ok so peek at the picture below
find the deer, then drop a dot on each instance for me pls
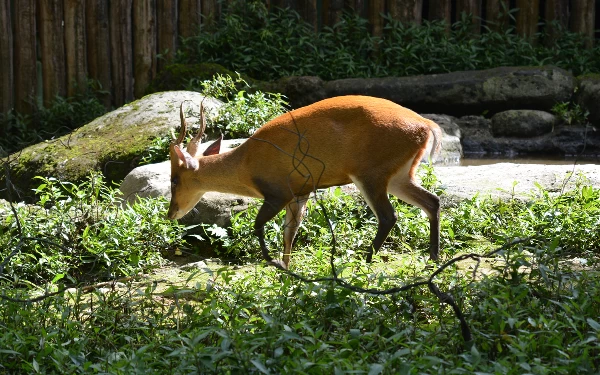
(371, 142)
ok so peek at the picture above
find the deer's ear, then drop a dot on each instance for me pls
(186, 158)
(214, 148)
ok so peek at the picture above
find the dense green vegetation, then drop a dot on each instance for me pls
(90, 285)
(59, 118)
(269, 45)
(532, 307)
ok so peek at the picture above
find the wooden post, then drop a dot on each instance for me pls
(332, 12)
(406, 11)
(376, 9)
(210, 13)
(472, 7)
(441, 10)
(557, 18)
(497, 14)
(189, 17)
(308, 11)
(167, 31)
(583, 13)
(528, 18)
(98, 45)
(6, 59)
(121, 51)
(75, 46)
(144, 44)
(52, 47)
(357, 6)
(25, 59)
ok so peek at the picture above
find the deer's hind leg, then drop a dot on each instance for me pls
(375, 193)
(294, 212)
(404, 187)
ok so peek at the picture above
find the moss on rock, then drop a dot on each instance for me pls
(112, 144)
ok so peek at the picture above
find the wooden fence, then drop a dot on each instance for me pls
(50, 47)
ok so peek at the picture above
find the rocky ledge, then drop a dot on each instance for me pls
(503, 181)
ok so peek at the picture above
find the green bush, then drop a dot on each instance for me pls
(81, 232)
(269, 45)
(532, 307)
(59, 118)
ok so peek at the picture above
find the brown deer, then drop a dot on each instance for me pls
(371, 142)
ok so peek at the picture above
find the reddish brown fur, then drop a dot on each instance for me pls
(333, 142)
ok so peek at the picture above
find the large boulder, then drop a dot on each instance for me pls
(588, 96)
(497, 180)
(467, 93)
(522, 123)
(479, 139)
(451, 151)
(113, 143)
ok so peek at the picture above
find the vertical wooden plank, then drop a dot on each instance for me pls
(583, 14)
(441, 10)
(357, 6)
(406, 11)
(376, 9)
(52, 48)
(472, 7)
(166, 11)
(528, 18)
(556, 18)
(189, 17)
(25, 79)
(332, 12)
(497, 14)
(210, 12)
(75, 46)
(121, 51)
(6, 59)
(144, 44)
(308, 11)
(98, 45)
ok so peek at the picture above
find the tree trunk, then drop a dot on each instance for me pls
(557, 19)
(332, 12)
(52, 47)
(497, 14)
(528, 18)
(167, 31)
(357, 6)
(406, 11)
(440, 10)
(121, 49)
(75, 46)
(210, 13)
(98, 46)
(144, 44)
(25, 56)
(376, 9)
(189, 17)
(308, 11)
(6, 60)
(470, 7)
(583, 13)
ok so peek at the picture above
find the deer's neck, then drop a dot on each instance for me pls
(224, 173)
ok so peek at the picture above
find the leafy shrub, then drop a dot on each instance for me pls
(242, 113)
(62, 116)
(81, 232)
(269, 45)
(532, 307)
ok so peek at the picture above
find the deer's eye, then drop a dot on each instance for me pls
(174, 181)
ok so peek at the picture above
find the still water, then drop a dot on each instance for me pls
(524, 160)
